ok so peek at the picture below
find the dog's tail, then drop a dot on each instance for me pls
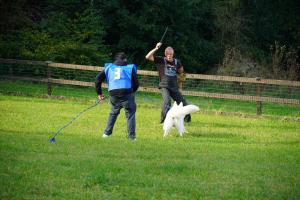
(185, 110)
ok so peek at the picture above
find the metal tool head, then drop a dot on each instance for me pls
(52, 140)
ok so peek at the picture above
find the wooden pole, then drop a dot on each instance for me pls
(258, 93)
(49, 84)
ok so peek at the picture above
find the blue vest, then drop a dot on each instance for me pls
(118, 77)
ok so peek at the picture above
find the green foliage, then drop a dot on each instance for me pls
(272, 20)
(90, 31)
(74, 36)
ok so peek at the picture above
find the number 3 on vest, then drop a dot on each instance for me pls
(117, 73)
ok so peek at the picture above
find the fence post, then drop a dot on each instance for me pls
(49, 77)
(11, 72)
(258, 93)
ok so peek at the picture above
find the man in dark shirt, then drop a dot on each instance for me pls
(122, 83)
(168, 67)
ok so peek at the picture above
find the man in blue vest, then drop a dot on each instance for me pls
(168, 67)
(122, 81)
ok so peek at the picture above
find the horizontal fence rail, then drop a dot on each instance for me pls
(212, 86)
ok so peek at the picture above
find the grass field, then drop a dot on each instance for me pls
(222, 157)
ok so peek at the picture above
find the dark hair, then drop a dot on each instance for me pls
(120, 56)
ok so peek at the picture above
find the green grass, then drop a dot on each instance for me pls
(222, 157)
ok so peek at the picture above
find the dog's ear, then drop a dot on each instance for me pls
(181, 104)
(175, 104)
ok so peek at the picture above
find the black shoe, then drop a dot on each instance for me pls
(131, 137)
(188, 118)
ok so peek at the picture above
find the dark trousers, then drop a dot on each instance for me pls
(117, 103)
(176, 95)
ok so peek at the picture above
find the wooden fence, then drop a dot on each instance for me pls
(257, 81)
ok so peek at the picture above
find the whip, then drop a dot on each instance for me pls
(53, 139)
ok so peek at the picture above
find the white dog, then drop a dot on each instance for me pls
(175, 117)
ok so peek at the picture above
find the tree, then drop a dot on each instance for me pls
(70, 31)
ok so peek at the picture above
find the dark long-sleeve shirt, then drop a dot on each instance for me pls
(118, 92)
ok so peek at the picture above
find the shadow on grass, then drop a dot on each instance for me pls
(201, 137)
(223, 137)
(245, 126)
(217, 135)
(28, 135)
(224, 125)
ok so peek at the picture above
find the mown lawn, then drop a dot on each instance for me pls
(221, 157)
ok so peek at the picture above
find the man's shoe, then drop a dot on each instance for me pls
(131, 138)
(188, 118)
(105, 136)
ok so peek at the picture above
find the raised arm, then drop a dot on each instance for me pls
(150, 56)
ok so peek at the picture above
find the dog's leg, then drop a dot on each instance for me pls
(182, 126)
(166, 133)
(168, 124)
(178, 121)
